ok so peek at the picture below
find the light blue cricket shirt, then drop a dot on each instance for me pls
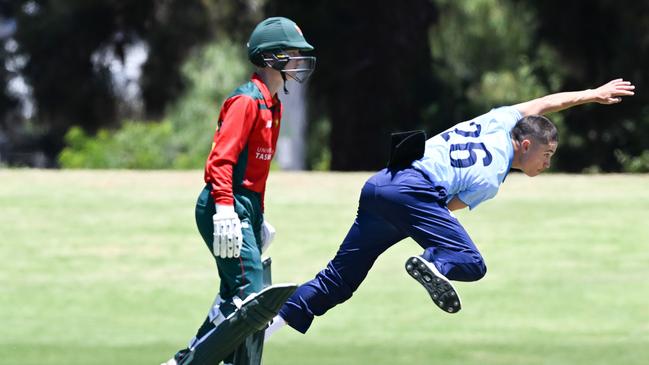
(471, 159)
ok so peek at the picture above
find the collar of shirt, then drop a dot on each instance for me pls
(268, 99)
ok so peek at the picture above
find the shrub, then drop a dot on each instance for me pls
(182, 140)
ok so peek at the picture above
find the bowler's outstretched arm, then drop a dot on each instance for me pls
(609, 93)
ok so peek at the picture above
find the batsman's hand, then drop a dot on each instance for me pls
(227, 232)
(267, 235)
(613, 91)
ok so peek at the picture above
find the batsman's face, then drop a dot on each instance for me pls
(299, 68)
(293, 63)
(536, 157)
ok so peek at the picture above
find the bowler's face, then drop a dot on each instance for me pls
(537, 157)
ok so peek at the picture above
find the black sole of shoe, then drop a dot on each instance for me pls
(439, 288)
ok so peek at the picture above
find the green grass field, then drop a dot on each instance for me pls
(107, 268)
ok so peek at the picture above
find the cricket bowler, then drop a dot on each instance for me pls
(427, 179)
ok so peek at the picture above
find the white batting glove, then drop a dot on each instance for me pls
(227, 232)
(267, 235)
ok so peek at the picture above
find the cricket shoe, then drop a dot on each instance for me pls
(437, 285)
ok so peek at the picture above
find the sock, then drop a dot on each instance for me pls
(277, 323)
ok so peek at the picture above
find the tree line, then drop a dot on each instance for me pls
(382, 67)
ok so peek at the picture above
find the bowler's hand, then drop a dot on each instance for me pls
(267, 235)
(227, 232)
(612, 92)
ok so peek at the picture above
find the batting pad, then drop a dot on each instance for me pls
(255, 313)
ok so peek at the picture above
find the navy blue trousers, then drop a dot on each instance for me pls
(394, 204)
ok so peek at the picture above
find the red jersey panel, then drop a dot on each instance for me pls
(244, 142)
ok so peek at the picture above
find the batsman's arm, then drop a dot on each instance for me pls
(609, 93)
(237, 120)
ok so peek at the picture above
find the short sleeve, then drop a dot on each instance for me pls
(507, 116)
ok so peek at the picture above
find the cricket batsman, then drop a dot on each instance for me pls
(230, 208)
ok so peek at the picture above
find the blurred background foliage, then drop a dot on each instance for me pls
(138, 84)
(183, 138)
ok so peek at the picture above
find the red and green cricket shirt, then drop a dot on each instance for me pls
(244, 142)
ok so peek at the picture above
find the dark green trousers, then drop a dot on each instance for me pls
(239, 276)
(243, 275)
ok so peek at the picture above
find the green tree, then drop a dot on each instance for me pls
(183, 138)
(60, 41)
(212, 74)
(599, 40)
(485, 54)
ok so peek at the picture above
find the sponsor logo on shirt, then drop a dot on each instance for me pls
(264, 153)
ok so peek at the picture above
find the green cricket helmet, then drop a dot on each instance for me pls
(269, 43)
